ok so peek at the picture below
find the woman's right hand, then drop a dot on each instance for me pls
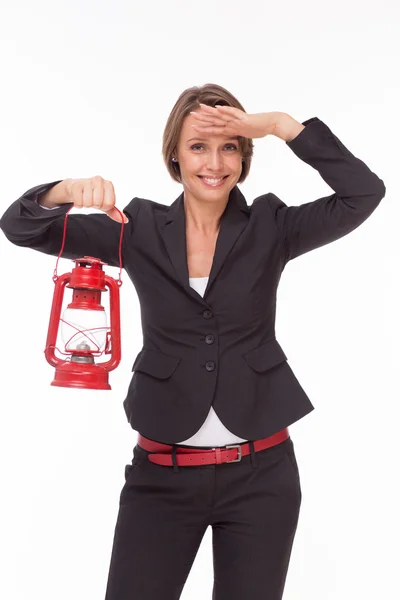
(94, 192)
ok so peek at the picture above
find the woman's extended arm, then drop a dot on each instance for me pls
(26, 223)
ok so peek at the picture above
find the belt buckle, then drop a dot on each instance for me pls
(239, 458)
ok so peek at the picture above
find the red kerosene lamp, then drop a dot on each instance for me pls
(84, 329)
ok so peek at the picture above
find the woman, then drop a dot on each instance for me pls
(212, 394)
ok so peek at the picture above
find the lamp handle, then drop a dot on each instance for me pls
(119, 281)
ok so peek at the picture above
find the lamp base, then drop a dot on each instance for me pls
(80, 375)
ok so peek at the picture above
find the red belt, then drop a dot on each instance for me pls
(188, 457)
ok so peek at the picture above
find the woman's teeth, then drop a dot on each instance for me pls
(212, 182)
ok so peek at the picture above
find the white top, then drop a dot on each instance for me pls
(213, 432)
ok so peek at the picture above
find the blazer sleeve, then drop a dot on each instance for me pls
(26, 223)
(358, 191)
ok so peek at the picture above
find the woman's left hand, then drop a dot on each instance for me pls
(227, 120)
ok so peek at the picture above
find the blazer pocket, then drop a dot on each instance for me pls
(266, 356)
(155, 363)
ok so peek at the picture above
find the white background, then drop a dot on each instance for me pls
(86, 90)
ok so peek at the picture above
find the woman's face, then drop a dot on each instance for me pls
(204, 155)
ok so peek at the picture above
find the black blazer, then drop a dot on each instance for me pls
(219, 349)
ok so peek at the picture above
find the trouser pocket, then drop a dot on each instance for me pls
(292, 458)
(138, 456)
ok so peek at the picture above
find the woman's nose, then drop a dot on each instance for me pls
(215, 160)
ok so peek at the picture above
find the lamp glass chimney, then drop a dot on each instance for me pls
(92, 324)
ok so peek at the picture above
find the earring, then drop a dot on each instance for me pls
(174, 159)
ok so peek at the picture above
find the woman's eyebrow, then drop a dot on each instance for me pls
(204, 140)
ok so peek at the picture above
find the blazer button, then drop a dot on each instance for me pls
(210, 365)
(209, 339)
(207, 314)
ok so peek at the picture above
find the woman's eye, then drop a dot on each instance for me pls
(195, 146)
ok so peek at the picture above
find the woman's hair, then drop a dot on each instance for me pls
(210, 94)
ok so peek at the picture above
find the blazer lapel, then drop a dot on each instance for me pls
(233, 221)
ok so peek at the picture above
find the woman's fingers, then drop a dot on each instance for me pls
(115, 216)
(88, 193)
(76, 192)
(202, 118)
(95, 192)
(109, 196)
(98, 195)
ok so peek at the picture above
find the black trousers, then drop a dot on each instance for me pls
(252, 506)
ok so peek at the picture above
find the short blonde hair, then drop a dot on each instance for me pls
(210, 94)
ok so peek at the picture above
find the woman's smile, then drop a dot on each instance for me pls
(213, 182)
